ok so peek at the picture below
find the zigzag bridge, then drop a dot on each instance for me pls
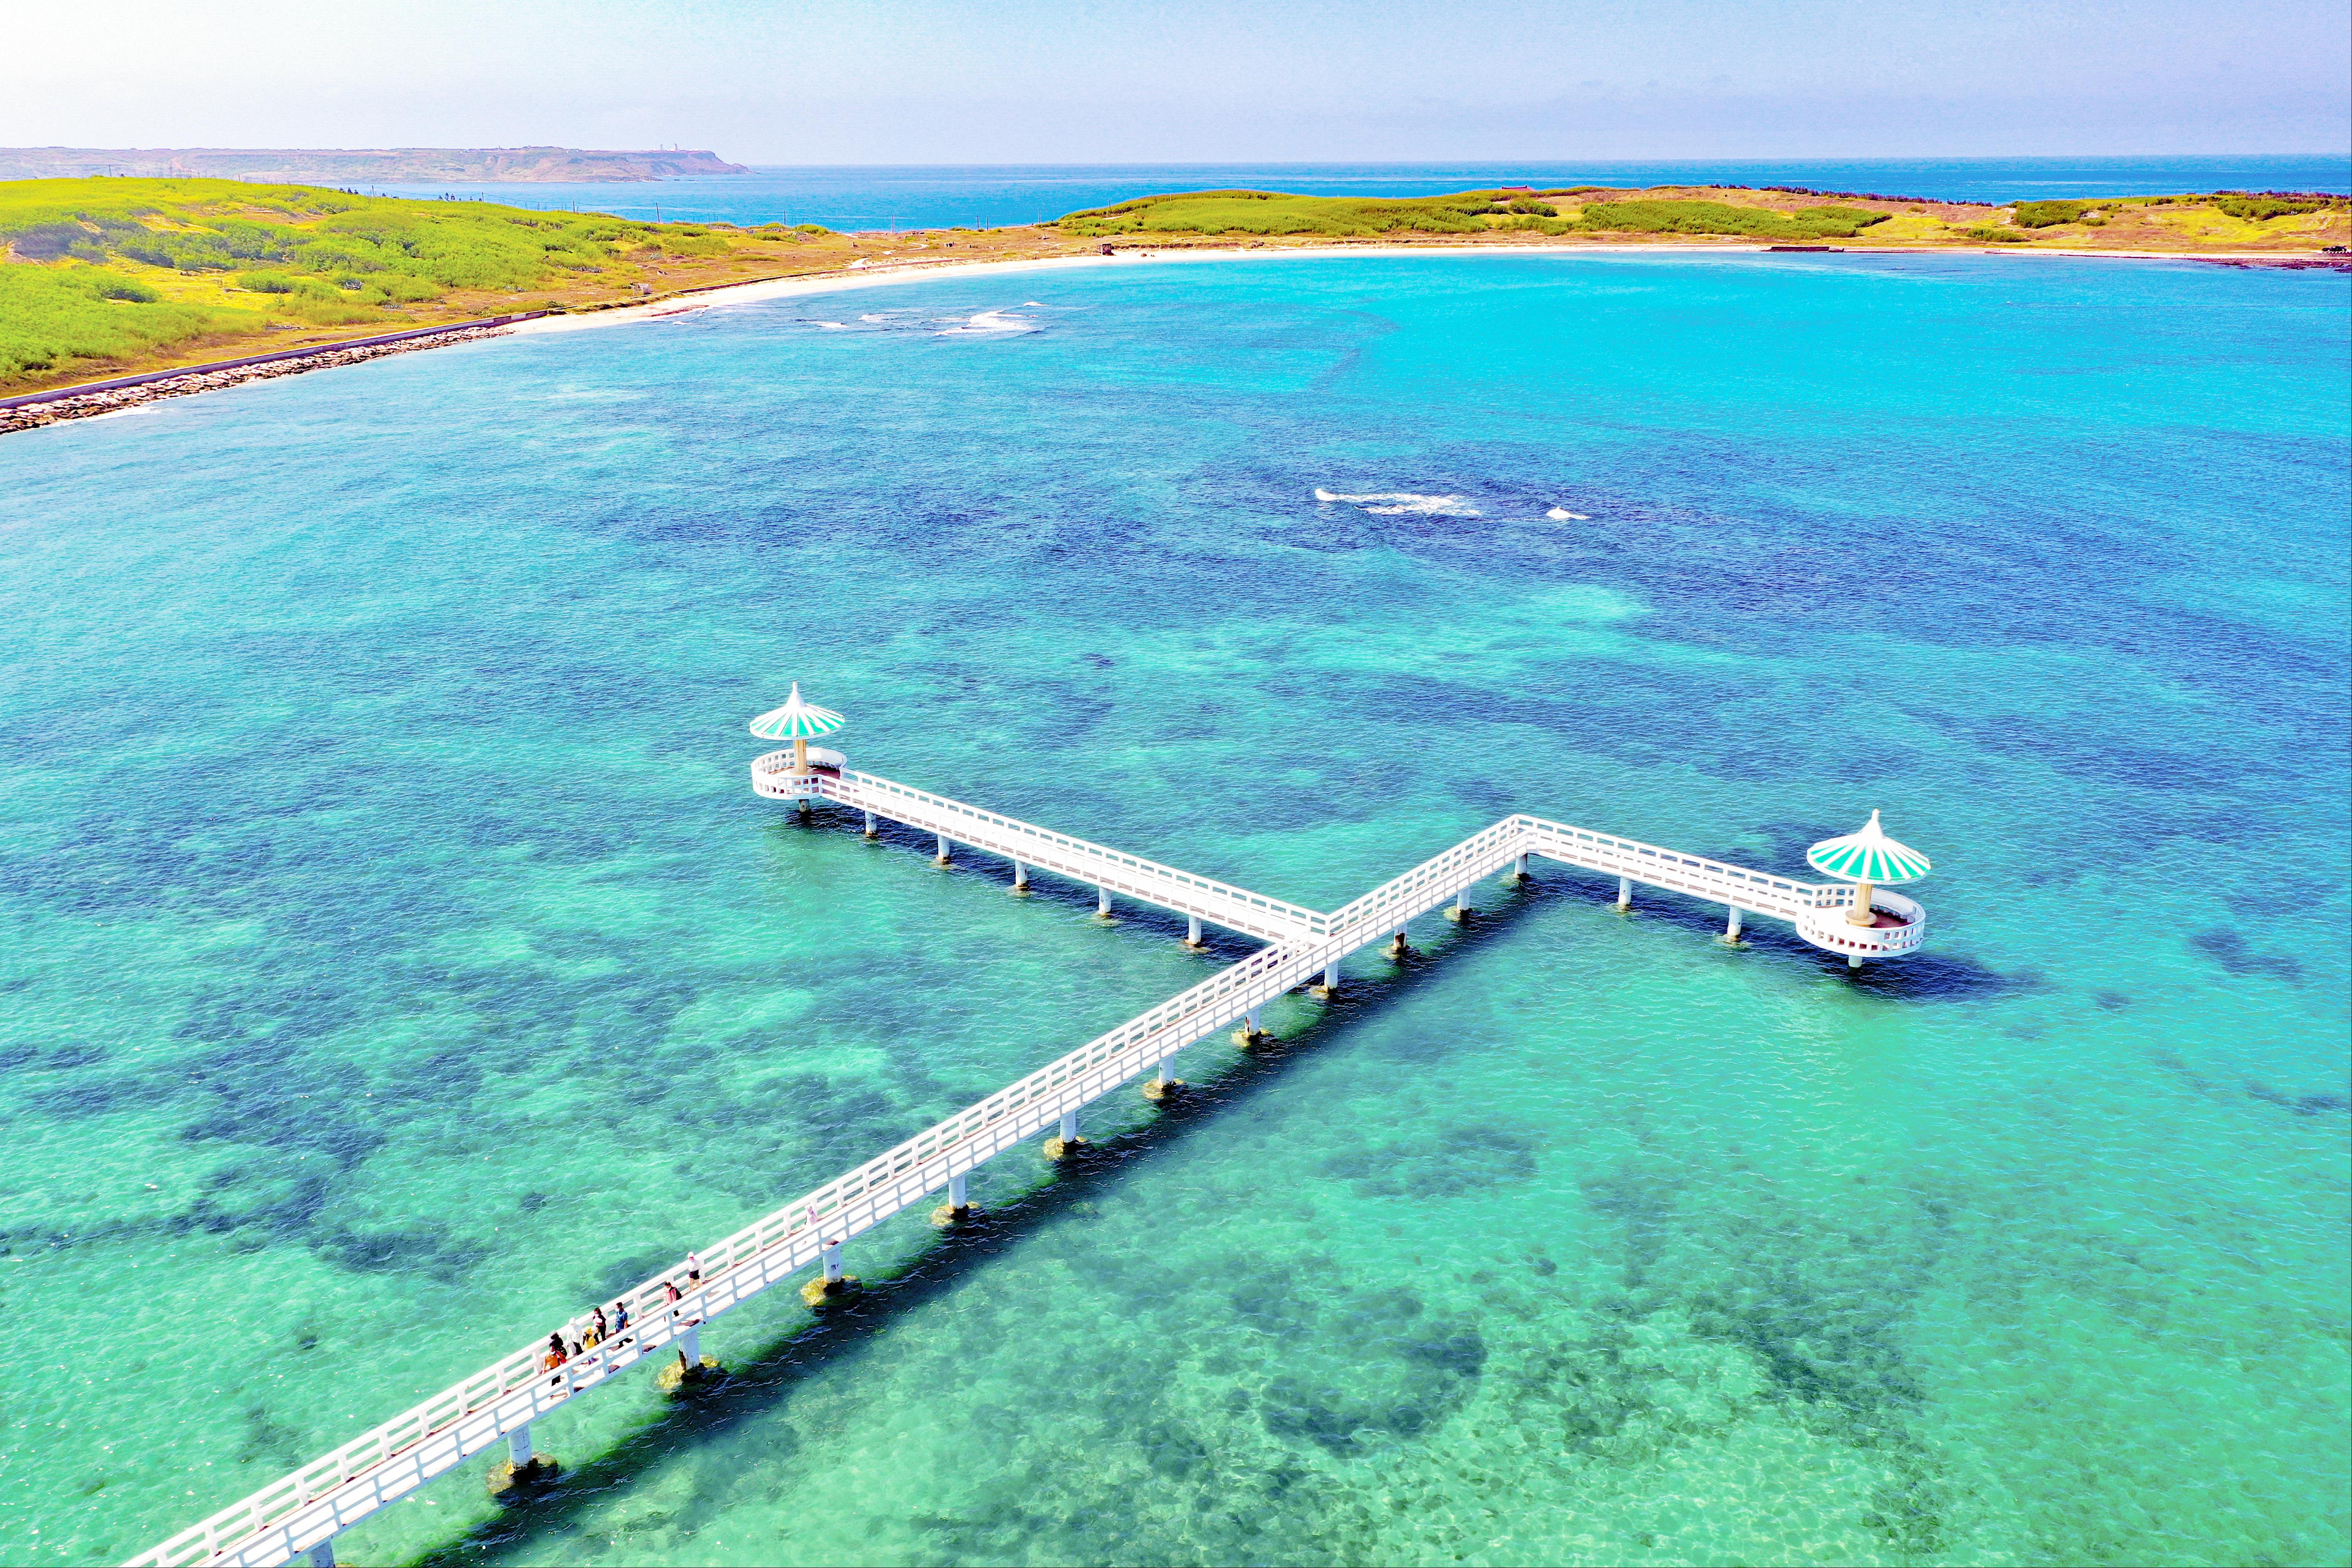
(301, 1514)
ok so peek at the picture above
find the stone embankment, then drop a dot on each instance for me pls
(129, 392)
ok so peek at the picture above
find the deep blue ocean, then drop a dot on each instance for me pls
(991, 195)
(394, 958)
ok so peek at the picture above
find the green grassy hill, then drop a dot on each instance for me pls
(105, 272)
(2184, 223)
(1585, 210)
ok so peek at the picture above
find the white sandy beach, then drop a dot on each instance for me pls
(904, 272)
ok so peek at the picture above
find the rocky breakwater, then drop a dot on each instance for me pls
(110, 396)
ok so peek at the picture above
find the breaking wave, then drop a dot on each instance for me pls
(1561, 514)
(1399, 503)
(989, 323)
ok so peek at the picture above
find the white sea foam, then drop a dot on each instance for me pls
(989, 323)
(1398, 503)
(835, 326)
(1561, 514)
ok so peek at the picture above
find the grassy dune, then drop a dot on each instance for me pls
(1467, 213)
(2132, 223)
(104, 275)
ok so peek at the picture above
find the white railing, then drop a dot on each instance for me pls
(1759, 891)
(1220, 903)
(1829, 929)
(1475, 856)
(309, 1506)
(298, 1511)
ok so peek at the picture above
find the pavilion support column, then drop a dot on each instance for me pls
(1250, 1034)
(1862, 914)
(1020, 880)
(1518, 870)
(1065, 1144)
(1731, 928)
(323, 1554)
(1398, 949)
(1102, 903)
(1192, 933)
(873, 830)
(1624, 892)
(1458, 911)
(943, 857)
(1331, 984)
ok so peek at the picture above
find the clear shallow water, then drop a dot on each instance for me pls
(395, 957)
(990, 195)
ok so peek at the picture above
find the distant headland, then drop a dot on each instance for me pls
(344, 165)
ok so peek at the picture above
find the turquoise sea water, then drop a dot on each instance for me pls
(394, 958)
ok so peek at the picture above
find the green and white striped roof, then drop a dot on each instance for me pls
(796, 721)
(1868, 856)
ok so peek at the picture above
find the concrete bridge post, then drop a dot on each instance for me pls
(1065, 1144)
(958, 1208)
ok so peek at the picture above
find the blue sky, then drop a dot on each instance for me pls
(1153, 80)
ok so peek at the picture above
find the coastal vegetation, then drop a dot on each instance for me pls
(105, 275)
(1589, 210)
(1276, 212)
(1702, 212)
(2255, 209)
(1720, 217)
(99, 276)
(2043, 215)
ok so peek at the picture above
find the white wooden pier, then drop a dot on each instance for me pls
(299, 1515)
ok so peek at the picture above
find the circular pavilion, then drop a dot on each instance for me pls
(1866, 921)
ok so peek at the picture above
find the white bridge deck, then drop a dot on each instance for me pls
(302, 1512)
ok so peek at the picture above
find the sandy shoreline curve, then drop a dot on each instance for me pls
(66, 404)
(865, 277)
